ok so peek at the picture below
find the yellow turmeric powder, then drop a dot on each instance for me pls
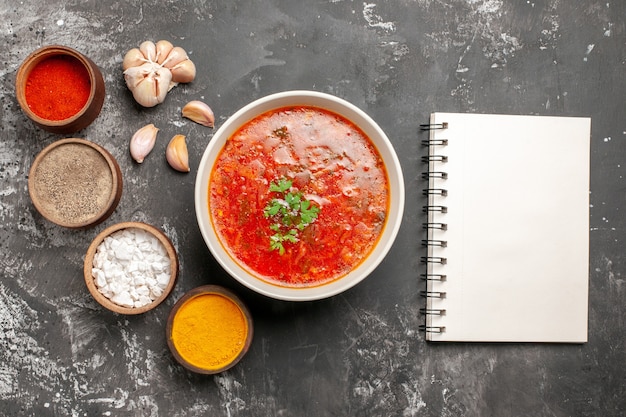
(209, 331)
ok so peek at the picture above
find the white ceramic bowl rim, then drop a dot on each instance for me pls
(331, 103)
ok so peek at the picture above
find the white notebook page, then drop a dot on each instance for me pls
(517, 228)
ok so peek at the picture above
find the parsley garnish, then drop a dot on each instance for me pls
(291, 214)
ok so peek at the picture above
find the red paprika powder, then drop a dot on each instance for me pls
(58, 87)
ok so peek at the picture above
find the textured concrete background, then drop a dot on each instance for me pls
(356, 354)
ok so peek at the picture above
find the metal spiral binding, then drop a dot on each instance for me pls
(435, 191)
(432, 242)
(435, 126)
(434, 176)
(434, 277)
(433, 311)
(432, 329)
(434, 260)
(433, 294)
(434, 158)
(441, 209)
(440, 226)
(435, 142)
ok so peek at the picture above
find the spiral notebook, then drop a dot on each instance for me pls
(508, 228)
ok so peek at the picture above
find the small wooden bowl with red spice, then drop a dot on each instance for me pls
(60, 89)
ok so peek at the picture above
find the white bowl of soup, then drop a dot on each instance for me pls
(299, 195)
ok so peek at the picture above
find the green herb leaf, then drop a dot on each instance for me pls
(271, 209)
(308, 213)
(291, 236)
(277, 244)
(291, 212)
(293, 200)
(280, 187)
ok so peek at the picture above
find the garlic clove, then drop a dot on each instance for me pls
(135, 75)
(199, 112)
(142, 142)
(184, 72)
(148, 94)
(175, 57)
(163, 49)
(148, 49)
(177, 155)
(133, 58)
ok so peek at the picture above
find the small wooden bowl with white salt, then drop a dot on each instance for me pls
(131, 267)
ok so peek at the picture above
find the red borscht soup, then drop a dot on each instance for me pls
(299, 196)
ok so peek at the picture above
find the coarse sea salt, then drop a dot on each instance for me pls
(131, 267)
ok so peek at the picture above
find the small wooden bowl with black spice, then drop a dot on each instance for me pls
(60, 89)
(75, 183)
(121, 265)
(209, 330)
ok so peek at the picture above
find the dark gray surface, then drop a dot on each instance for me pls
(359, 353)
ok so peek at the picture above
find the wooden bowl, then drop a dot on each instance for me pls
(91, 252)
(237, 344)
(86, 114)
(75, 183)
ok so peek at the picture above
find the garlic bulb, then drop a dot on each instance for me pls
(153, 69)
(177, 155)
(142, 142)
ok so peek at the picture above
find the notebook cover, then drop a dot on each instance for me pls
(517, 254)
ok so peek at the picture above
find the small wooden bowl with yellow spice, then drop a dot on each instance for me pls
(209, 330)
